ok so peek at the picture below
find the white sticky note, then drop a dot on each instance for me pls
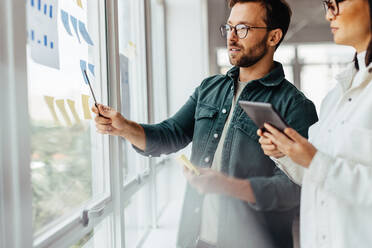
(43, 32)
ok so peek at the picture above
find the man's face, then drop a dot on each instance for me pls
(248, 51)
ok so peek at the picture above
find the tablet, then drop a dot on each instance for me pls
(261, 113)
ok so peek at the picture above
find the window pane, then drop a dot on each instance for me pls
(137, 217)
(67, 159)
(132, 72)
(321, 63)
(99, 237)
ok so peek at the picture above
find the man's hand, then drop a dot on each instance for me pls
(109, 121)
(214, 182)
(268, 146)
(209, 181)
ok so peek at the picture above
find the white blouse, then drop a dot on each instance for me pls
(336, 200)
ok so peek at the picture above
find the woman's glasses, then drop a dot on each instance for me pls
(332, 6)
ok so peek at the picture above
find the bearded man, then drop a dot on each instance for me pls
(241, 199)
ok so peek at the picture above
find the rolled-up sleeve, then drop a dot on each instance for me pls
(275, 193)
(172, 134)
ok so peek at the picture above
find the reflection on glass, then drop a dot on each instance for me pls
(61, 39)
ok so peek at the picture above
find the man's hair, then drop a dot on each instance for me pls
(278, 13)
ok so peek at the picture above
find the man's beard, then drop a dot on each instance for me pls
(254, 54)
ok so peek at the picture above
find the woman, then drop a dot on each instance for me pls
(335, 166)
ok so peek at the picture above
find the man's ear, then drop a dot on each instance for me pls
(275, 36)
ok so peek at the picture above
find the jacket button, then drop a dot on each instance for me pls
(207, 159)
(215, 135)
(224, 111)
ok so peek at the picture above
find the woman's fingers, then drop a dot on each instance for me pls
(291, 133)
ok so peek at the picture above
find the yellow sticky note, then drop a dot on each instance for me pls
(50, 103)
(86, 109)
(71, 104)
(188, 164)
(61, 106)
(79, 3)
(130, 51)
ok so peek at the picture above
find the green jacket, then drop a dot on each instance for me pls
(268, 222)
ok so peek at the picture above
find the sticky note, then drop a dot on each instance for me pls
(61, 106)
(71, 104)
(83, 67)
(75, 26)
(86, 108)
(79, 3)
(130, 51)
(183, 160)
(66, 22)
(84, 32)
(50, 103)
(91, 69)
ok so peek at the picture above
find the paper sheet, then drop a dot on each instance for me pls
(84, 33)
(43, 32)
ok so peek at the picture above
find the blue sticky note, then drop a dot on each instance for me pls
(84, 32)
(51, 11)
(66, 22)
(91, 69)
(83, 67)
(74, 24)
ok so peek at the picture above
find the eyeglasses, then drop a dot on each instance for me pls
(241, 30)
(332, 5)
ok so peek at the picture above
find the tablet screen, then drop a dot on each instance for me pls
(261, 113)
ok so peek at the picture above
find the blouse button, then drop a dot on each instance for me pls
(224, 111)
(215, 135)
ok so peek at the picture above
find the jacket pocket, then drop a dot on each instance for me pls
(205, 117)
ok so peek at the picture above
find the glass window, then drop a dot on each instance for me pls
(99, 237)
(64, 40)
(137, 217)
(320, 64)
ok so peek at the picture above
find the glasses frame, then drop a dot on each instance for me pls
(335, 4)
(225, 33)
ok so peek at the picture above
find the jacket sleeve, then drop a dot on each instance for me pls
(348, 180)
(275, 193)
(172, 134)
(278, 192)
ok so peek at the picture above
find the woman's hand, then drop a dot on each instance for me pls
(292, 144)
(268, 147)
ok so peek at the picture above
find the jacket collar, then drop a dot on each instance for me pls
(345, 78)
(273, 78)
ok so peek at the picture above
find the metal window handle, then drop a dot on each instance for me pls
(91, 213)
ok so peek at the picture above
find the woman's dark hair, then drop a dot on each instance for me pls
(368, 58)
(278, 13)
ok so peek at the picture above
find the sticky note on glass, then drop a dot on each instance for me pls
(184, 161)
(50, 103)
(71, 104)
(86, 109)
(61, 106)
